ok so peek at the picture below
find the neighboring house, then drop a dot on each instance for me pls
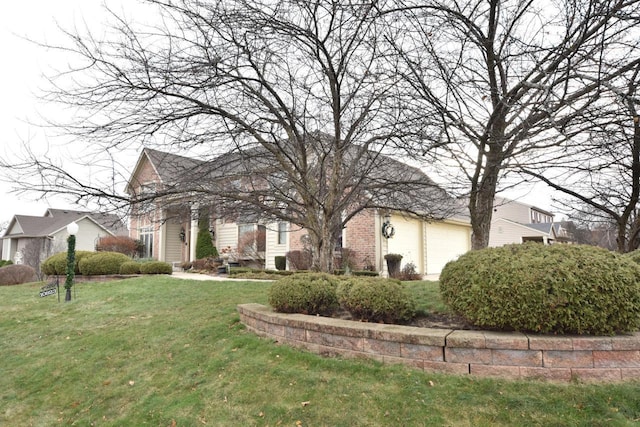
(31, 239)
(516, 222)
(168, 226)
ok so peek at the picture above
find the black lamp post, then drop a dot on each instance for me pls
(72, 229)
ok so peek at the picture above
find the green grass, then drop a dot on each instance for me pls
(154, 351)
(427, 296)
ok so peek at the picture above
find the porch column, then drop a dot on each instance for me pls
(193, 235)
(162, 239)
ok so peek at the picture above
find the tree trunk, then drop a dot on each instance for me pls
(481, 203)
(322, 251)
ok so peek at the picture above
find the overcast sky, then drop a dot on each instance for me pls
(21, 79)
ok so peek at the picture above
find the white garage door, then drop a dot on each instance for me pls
(445, 242)
(407, 241)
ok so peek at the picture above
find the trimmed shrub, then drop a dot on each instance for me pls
(57, 264)
(130, 267)
(376, 300)
(156, 267)
(365, 273)
(561, 289)
(309, 293)
(233, 271)
(16, 274)
(634, 256)
(281, 262)
(102, 263)
(204, 245)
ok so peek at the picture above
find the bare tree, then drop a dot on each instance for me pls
(602, 177)
(34, 251)
(498, 83)
(292, 105)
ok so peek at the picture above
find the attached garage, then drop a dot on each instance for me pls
(445, 241)
(407, 241)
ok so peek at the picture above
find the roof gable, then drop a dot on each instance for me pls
(167, 168)
(55, 220)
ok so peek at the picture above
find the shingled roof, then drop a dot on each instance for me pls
(55, 220)
(384, 175)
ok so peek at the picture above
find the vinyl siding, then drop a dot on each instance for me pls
(273, 248)
(226, 235)
(86, 239)
(505, 232)
(173, 245)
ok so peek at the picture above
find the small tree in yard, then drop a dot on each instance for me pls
(251, 245)
(303, 98)
(204, 244)
(122, 244)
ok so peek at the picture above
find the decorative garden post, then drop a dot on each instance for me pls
(72, 229)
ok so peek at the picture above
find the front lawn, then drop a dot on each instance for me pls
(162, 351)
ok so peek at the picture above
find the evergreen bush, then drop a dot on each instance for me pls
(100, 263)
(130, 267)
(156, 267)
(634, 256)
(307, 293)
(57, 264)
(376, 300)
(204, 244)
(281, 262)
(561, 289)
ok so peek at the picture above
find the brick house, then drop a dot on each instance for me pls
(168, 225)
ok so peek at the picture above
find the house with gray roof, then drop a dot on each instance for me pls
(168, 220)
(31, 239)
(517, 222)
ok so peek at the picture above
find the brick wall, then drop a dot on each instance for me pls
(360, 236)
(480, 353)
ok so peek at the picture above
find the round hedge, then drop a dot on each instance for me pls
(376, 300)
(57, 263)
(306, 293)
(563, 289)
(16, 274)
(100, 263)
(156, 267)
(634, 256)
(130, 267)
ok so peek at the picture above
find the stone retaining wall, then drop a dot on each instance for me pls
(481, 353)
